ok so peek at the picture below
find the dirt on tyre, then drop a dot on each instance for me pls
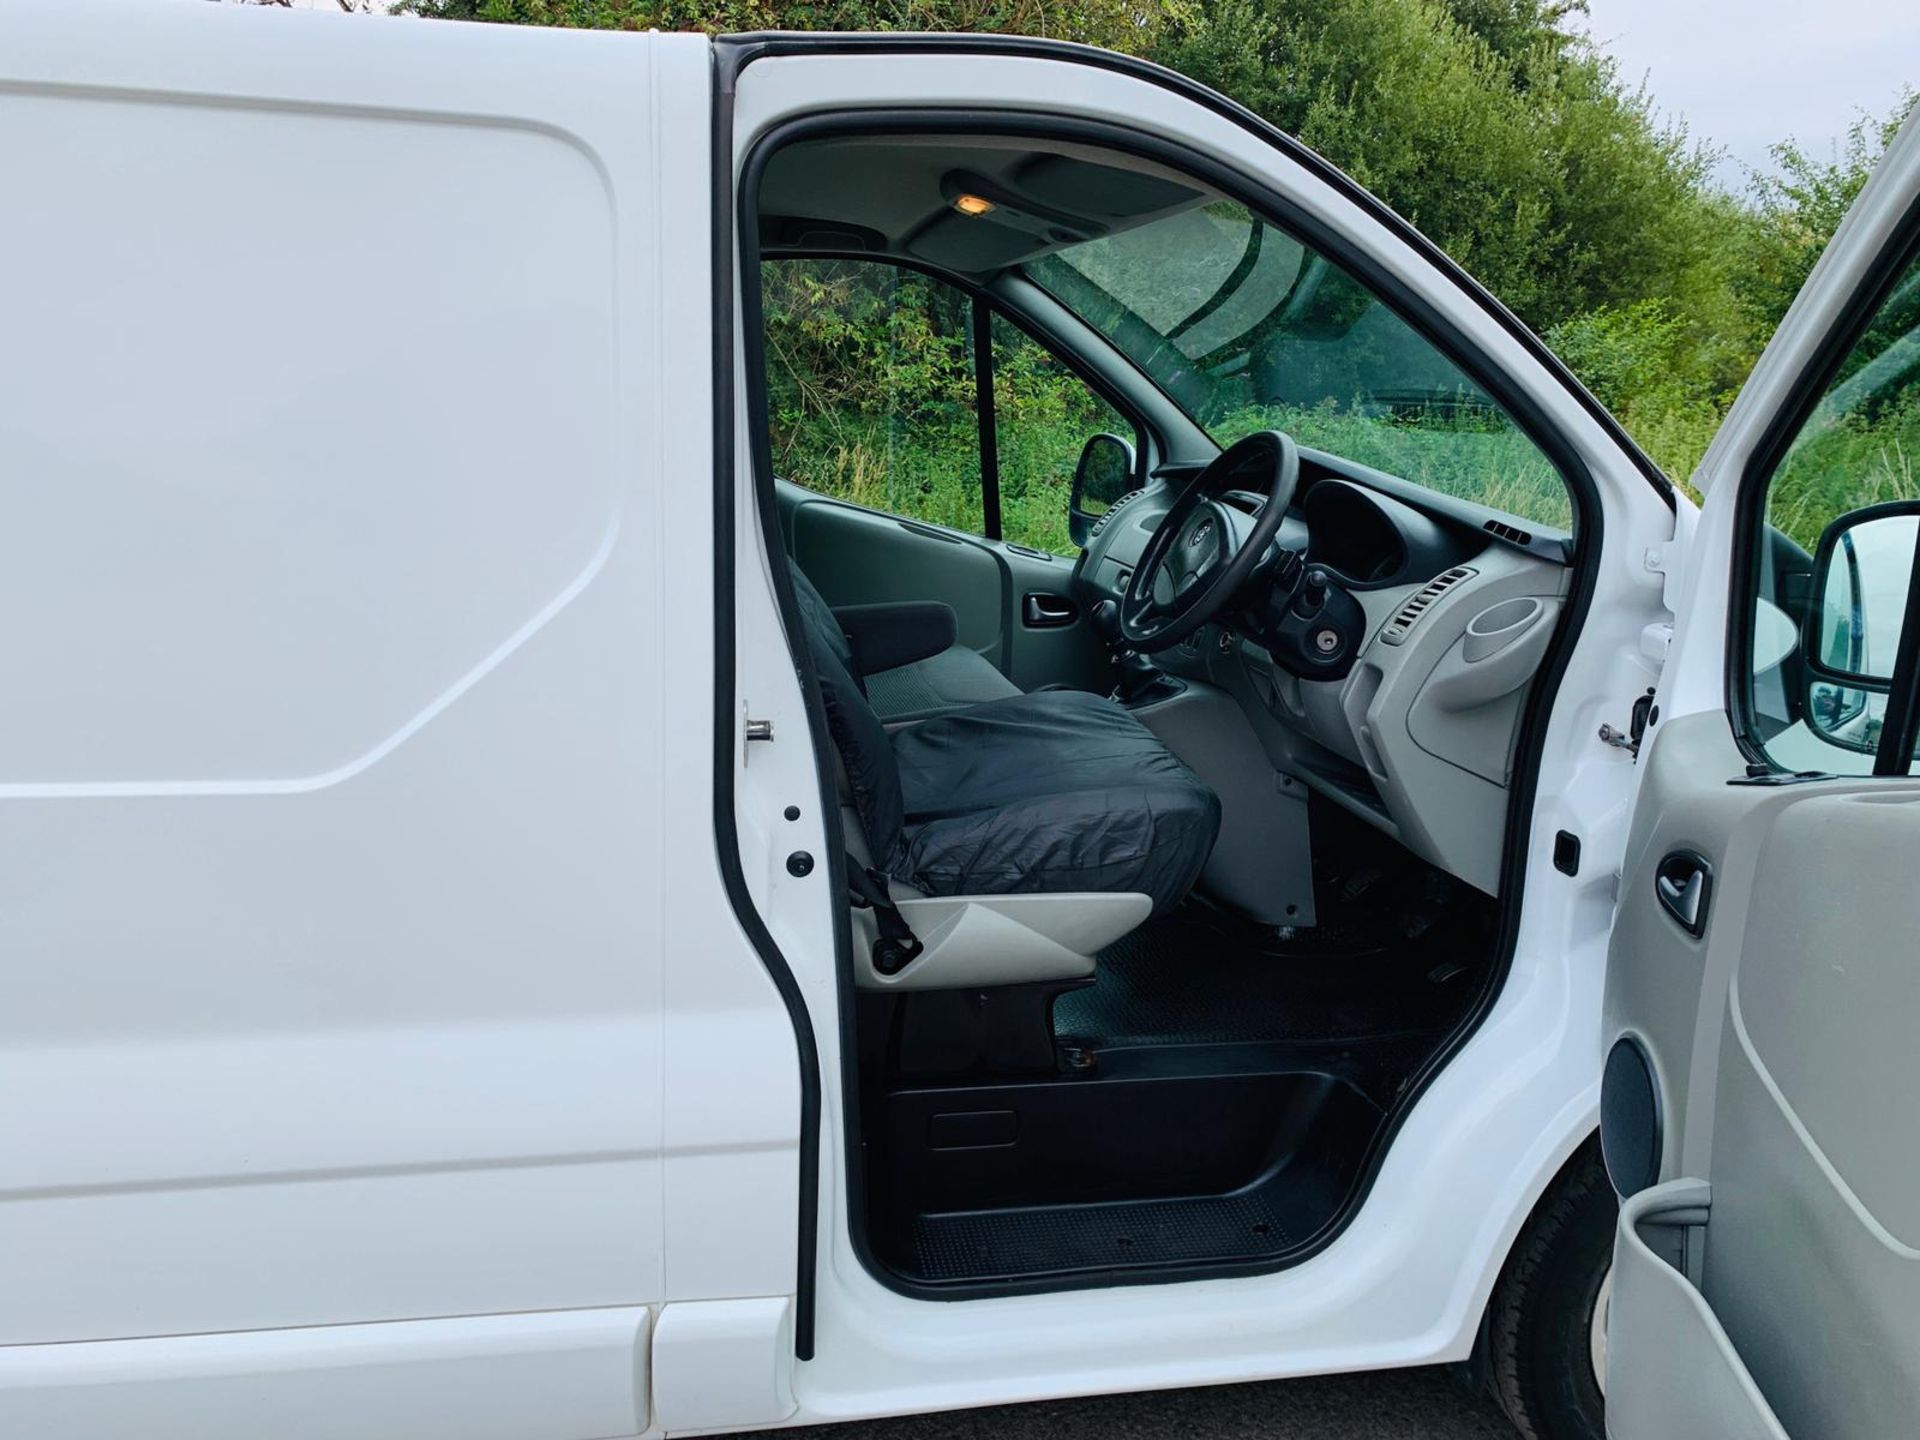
(1546, 1324)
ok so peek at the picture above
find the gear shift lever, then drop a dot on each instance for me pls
(1134, 674)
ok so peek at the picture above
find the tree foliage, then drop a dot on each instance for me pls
(1505, 137)
(1793, 212)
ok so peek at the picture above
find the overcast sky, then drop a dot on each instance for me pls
(1745, 73)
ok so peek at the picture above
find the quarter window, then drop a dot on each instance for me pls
(870, 388)
(1043, 416)
(876, 378)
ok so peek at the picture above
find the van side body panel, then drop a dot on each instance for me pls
(353, 439)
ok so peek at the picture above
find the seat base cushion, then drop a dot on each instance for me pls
(955, 677)
(1056, 791)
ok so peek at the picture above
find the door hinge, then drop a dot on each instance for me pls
(1629, 739)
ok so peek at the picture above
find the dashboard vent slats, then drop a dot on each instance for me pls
(1113, 510)
(1508, 532)
(1397, 629)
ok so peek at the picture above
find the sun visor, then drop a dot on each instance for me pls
(799, 233)
(1102, 192)
(975, 245)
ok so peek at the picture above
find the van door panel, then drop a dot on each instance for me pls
(1782, 1037)
(1762, 1026)
(1815, 1141)
(1687, 1378)
(339, 802)
(857, 556)
(861, 557)
(268, 919)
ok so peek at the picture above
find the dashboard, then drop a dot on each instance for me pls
(1456, 609)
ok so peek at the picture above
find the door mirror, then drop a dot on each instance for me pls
(1850, 640)
(1104, 473)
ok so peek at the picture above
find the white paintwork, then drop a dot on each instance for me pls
(487, 1377)
(723, 1363)
(343, 875)
(1407, 1281)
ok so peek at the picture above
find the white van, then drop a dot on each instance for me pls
(551, 889)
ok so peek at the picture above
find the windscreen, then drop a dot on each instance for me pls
(1246, 328)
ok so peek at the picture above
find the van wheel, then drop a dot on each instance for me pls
(1546, 1330)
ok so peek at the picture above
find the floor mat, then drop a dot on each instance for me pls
(1187, 979)
(1191, 999)
(1091, 1237)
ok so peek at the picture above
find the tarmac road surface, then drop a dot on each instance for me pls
(1427, 1404)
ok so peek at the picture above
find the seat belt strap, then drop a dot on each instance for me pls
(896, 945)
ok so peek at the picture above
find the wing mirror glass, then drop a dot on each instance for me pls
(1105, 472)
(1863, 574)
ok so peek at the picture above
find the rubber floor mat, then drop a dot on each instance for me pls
(1182, 980)
(1068, 1238)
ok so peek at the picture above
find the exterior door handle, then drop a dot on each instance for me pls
(1683, 884)
(1041, 611)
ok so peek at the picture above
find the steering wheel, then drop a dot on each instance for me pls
(1193, 566)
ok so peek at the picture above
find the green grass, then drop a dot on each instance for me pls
(933, 474)
(1472, 456)
(930, 471)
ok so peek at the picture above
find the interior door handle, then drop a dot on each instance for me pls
(1041, 611)
(1683, 884)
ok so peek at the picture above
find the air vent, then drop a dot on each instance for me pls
(1398, 628)
(1113, 510)
(1508, 532)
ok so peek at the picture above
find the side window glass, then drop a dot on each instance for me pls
(1837, 562)
(870, 388)
(1043, 416)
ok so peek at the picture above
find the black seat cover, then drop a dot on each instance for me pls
(1058, 791)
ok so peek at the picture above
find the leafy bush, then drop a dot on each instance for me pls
(1643, 363)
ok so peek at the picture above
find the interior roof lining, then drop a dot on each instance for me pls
(892, 195)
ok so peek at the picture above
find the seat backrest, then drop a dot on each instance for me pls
(823, 631)
(866, 754)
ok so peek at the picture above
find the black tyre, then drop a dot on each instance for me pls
(1546, 1326)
